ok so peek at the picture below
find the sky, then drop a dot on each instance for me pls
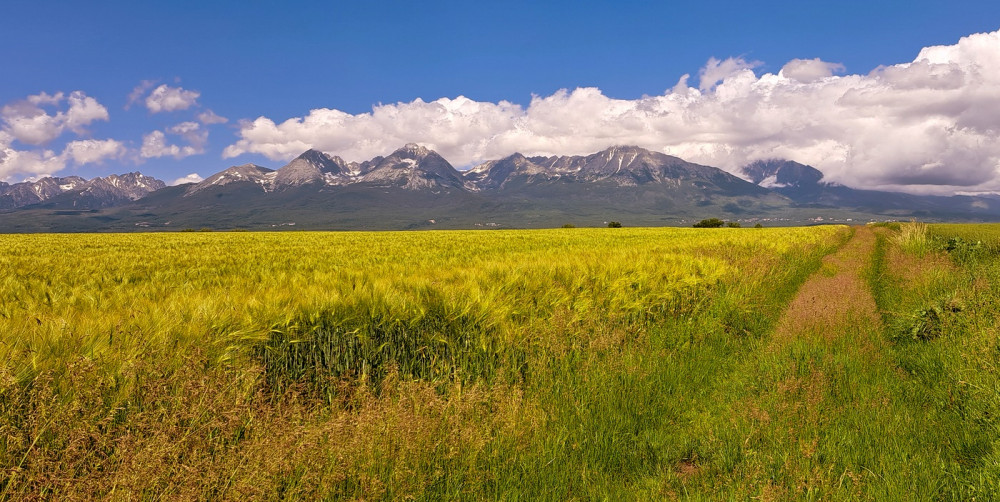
(890, 95)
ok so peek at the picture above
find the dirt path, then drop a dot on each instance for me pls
(817, 370)
(834, 298)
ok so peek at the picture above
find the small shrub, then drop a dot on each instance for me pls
(709, 223)
(614, 224)
(927, 323)
(758, 225)
(568, 225)
(733, 224)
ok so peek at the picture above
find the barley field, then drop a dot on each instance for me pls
(545, 364)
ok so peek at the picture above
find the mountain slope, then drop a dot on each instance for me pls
(253, 175)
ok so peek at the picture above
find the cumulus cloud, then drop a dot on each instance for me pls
(193, 133)
(716, 71)
(932, 124)
(208, 117)
(168, 99)
(93, 151)
(191, 178)
(28, 163)
(28, 122)
(82, 111)
(138, 92)
(810, 70)
(44, 162)
(155, 144)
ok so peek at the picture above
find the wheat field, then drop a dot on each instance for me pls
(548, 364)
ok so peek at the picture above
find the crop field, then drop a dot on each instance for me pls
(567, 364)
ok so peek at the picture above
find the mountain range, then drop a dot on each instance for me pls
(415, 187)
(78, 193)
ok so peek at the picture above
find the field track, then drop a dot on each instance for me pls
(817, 385)
(834, 297)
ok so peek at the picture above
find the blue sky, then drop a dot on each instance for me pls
(281, 60)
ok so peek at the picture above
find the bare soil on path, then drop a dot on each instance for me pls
(834, 298)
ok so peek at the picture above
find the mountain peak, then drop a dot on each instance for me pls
(415, 149)
(312, 154)
(626, 149)
(781, 173)
(312, 166)
(414, 167)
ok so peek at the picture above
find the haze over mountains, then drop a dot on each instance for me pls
(414, 187)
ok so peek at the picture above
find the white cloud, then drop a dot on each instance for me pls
(209, 117)
(929, 125)
(810, 70)
(28, 163)
(191, 178)
(44, 98)
(138, 92)
(155, 144)
(93, 151)
(82, 111)
(168, 99)
(192, 133)
(29, 123)
(716, 71)
(45, 162)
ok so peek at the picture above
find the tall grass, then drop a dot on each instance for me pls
(913, 237)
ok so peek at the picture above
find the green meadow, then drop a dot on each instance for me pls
(819, 363)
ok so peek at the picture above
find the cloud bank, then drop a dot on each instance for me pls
(930, 125)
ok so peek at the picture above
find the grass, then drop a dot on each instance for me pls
(913, 237)
(565, 364)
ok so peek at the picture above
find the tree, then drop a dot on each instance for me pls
(709, 223)
(733, 224)
(614, 224)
